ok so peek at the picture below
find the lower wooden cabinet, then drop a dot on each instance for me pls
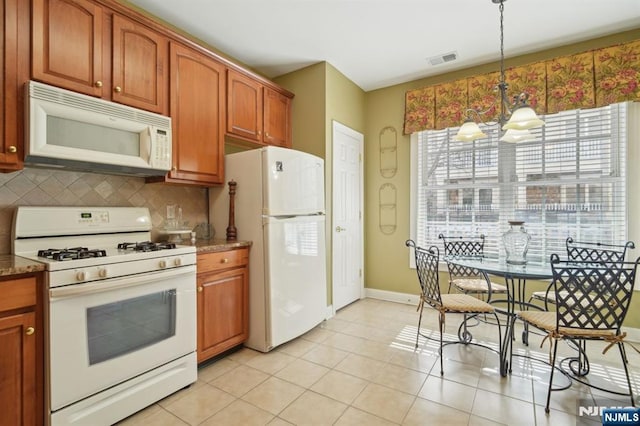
(20, 341)
(223, 301)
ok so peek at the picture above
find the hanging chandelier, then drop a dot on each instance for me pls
(516, 115)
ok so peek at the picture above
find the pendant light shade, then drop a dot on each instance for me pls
(470, 131)
(523, 118)
(513, 136)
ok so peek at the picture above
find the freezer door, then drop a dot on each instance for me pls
(293, 182)
(296, 276)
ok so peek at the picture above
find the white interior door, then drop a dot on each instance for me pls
(347, 220)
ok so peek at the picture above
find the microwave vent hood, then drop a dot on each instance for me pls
(69, 130)
(98, 106)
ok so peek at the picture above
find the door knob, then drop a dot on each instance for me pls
(340, 229)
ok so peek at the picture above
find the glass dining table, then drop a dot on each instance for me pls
(515, 277)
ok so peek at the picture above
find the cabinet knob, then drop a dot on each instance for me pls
(30, 330)
(13, 149)
(117, 89)
(200, 289)
(266, 134)
(225, 260)
(98, 83)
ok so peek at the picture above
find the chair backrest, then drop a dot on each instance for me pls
(592, 295)
(462, 246)
(427, 270)
(597, 252)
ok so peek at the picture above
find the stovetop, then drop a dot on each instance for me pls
(76, 253)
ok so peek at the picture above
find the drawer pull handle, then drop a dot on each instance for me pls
(225, 260)
(30, 331)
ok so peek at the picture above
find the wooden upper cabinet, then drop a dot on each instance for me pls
(244, 106)
(257, 113)
(197, 90)
(140, 66)
(67, 42)
(80, 46)
(277, 118)
(14, 71)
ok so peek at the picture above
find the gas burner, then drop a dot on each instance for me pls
(146, 246)
(72, 253)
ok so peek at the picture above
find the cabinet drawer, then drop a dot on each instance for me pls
(17, 293)
(217, 261)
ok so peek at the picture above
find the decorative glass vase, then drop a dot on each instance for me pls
(516, 243)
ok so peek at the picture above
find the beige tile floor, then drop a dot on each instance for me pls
(361, 368)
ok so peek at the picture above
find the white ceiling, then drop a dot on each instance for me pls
(379, 43)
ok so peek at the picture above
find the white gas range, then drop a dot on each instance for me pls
(121, 311)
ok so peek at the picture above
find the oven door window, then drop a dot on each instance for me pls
(118, 328)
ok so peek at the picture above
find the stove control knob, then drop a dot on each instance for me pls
(177, 261)
(103, 273)
(162, 264)
(81, 276)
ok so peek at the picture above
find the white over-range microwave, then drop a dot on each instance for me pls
(65, 129)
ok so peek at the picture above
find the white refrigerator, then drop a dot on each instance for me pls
(279, 206)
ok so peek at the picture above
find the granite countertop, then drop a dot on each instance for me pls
(15, 265)
(219, 244)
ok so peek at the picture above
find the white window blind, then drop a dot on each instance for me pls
(569, 181)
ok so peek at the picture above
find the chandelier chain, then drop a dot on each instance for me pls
(502, 41)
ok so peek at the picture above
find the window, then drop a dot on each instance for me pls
(570, 181)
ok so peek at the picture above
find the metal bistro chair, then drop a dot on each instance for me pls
(468, 280)
(427, 270)
(585, 252)
(592, 300)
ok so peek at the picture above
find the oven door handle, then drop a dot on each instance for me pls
(114, 284)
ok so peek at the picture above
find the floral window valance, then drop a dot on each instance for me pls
(585, 80)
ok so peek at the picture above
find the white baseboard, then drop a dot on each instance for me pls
(633, 334)
(392, 296)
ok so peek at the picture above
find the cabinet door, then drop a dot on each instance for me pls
(222, 311)
(277, 118)
(197, 111)
(140, 73)
(244, 107)
(67, 42)
(14, 15)
(18, 367)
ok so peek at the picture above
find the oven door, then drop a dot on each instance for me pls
(103, 333)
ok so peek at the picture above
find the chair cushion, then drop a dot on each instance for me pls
(477, 285)
(464, 303)
(547, 321)
(551, 298)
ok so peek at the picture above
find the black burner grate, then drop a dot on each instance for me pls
(71, 253)
(146, 246)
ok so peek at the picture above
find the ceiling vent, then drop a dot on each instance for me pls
(441, 59)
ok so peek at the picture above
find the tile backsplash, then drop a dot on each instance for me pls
(49, 187)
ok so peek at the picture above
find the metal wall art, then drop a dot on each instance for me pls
(388, 152)
(388, 208)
